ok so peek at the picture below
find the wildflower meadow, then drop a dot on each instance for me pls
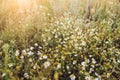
(59, 40)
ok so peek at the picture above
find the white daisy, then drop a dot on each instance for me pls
(36, 44)
(72, 77)
(45, 57)
(10, 64)
(46, 64)
(26, 75)
(93, 61)
(31, 48)
(4, 74)
(59, 66)
(17, 53)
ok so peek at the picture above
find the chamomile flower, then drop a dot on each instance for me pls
(30, 53)
(69, 72)
(83, 43)
(93, 61)
(31, 48)
(38, 52)
(87, 61)
(118, 61)
(45, 56)
(24, 52)
(59, 66)
(83, 63)
(67, 67)
(30, 60)
(74, 62)
(97, 78)
(75, 55)
(22, 57)
(40, 47)
(91, 70)
(10, 65)
(88, 78)
(35, 66)
(46, 64)
(26, 75)
(17, 53)
(72, 77)
(4, 74)
(36, 44)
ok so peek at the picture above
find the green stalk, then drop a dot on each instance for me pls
(5, 48)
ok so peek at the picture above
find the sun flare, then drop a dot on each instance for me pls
(23, 3)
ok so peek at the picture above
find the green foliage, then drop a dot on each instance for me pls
(38, 45)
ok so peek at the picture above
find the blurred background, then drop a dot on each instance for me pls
(18, 16)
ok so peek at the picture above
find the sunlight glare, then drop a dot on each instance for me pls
(24, 3)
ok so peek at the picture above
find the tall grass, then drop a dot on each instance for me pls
(48, 40)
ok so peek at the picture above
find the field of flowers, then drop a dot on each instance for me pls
(39, 42)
